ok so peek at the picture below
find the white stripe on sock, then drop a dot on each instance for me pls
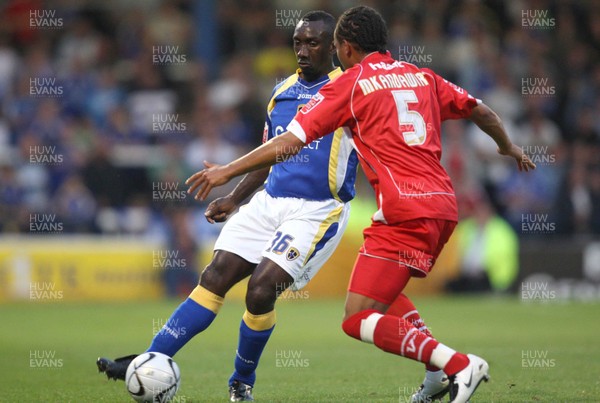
(441, 355)
(407, 314)
(367, 327)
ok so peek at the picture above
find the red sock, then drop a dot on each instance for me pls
(404, 308)
(391, 334)
(352, 325)
(457, 363)
(399, 336)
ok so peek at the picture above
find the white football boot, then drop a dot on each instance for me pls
(464, 383)
(434, 387)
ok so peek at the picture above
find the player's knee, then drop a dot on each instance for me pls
(213, 279)
(260, 298)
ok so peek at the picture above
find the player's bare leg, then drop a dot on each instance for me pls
(267, 282)
(224, 271)
(194, 315)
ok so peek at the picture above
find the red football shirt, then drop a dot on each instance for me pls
(393, 111)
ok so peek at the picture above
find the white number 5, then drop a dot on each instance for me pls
(416, 135)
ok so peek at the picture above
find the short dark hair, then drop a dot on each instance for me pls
(319, 15)
(364, 27)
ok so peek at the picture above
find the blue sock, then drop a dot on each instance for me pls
(250, 347)
(190, 318)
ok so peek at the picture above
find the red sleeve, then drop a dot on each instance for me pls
(326, 111)
(454, 101)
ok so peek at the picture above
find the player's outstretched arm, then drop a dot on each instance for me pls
(264, 156)
(219, 209)
(488, 121)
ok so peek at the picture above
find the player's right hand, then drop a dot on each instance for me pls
(203, 181)
(524, 163)
(219, 209)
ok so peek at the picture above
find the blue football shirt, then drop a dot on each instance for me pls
(325, 168)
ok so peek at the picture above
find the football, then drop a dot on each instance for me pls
(152, 377)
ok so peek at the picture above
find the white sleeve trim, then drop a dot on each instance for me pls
(297, 130)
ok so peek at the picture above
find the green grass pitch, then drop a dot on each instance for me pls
(537, 352)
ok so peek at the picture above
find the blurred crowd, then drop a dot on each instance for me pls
(106, 107)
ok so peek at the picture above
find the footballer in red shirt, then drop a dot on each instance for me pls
(394, 118)
(392, 111)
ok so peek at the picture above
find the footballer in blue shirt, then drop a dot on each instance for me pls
(287, 231)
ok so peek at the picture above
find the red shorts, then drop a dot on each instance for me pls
(380, 271)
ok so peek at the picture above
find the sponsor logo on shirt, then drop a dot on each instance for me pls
(385, 66)
(314, 101)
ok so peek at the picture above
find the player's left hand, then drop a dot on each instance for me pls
(524, 163)
(219, 209)
(214, 175)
